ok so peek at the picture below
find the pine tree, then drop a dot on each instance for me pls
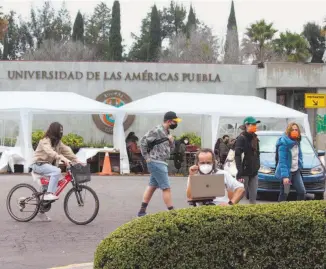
(192, 22)
(115, 38)
(97, 30)
(155, 36)
(78, 30)
(231, 49)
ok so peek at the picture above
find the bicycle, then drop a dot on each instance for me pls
(76, 174)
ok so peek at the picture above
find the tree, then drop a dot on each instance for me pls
(98, 30)
(201, 47)
(154, 36)
(51, 50)
(231, 48)
(78, 29)
(10, 38)
(291, 47)
(312, 32)
(172, 20)
(140, 47)
(61, 25)
(192, 22)
(115, 38)
(257, 44)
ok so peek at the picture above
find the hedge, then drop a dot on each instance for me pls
(267, 236)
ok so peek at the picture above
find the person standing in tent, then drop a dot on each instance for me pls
(156, 147)
(49, 152)
(289, 163)
(247, 157)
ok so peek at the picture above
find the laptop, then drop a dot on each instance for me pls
(206, 186)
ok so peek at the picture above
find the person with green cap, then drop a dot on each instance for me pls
(247, 157)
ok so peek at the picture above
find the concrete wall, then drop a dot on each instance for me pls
(292, 75)
(230, 79)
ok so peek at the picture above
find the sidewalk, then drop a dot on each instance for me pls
(75, 266)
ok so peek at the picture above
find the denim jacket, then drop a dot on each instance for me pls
(284, 145)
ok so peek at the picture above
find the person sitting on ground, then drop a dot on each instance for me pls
(205, 164)
(49, 152)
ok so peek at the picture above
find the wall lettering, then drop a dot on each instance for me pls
(144, 76)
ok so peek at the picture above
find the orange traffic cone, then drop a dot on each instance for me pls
(106, 170)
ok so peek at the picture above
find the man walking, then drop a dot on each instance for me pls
(155, 147)
(247, 158)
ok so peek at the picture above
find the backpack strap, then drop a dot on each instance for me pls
(156, 142)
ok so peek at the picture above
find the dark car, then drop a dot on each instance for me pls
(313, 172)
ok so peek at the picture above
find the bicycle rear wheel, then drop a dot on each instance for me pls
(23, 201)
(81, 200)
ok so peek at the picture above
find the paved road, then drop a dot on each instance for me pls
(40, 245)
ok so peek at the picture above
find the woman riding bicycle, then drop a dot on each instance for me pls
(49, 152)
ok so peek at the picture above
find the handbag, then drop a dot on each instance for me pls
(230, 165)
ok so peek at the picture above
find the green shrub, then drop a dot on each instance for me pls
(268, 236)
(193, 139)
(73, 140)
(37, 135)
(9, 141)
(97, 144)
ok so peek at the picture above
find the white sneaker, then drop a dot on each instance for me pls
(50, 197)
(43, 217)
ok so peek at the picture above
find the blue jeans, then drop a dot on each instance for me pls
(159, 175)
(50, 171)
(297, 183)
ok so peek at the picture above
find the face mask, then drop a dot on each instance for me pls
(252, 129)
(186, 142)
(294, 134)
(206, 168)
(173, 126)
(60, 135)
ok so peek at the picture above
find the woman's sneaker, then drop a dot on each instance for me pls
(50, 197)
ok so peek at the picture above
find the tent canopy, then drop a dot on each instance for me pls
(52, 103)
(210, 104)
(213, 107)
(26, 104)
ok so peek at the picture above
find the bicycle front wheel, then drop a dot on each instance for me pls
(23, 198)
(86, 200)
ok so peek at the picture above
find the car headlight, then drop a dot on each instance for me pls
(264, 170)
(317, 170)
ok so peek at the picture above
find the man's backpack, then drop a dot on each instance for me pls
(156, 142)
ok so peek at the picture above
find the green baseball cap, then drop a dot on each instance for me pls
(250, 120)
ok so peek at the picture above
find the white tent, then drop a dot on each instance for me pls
(24, 105)
(214, 106)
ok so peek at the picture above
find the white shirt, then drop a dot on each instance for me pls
(295, 158)
(231, 184)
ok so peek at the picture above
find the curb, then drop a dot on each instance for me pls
(77, 265)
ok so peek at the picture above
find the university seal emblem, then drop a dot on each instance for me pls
(114, 98)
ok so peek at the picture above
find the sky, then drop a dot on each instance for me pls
(285, 14)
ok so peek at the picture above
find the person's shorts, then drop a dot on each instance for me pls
(159, 175)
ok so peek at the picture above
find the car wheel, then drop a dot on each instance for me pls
(319, 196)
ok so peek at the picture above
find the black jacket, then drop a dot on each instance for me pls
(249, 145)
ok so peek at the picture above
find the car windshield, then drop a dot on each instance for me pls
(268, 144)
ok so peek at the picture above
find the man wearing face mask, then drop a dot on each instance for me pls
(156, 147)
(247, 145)
(205, 164)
